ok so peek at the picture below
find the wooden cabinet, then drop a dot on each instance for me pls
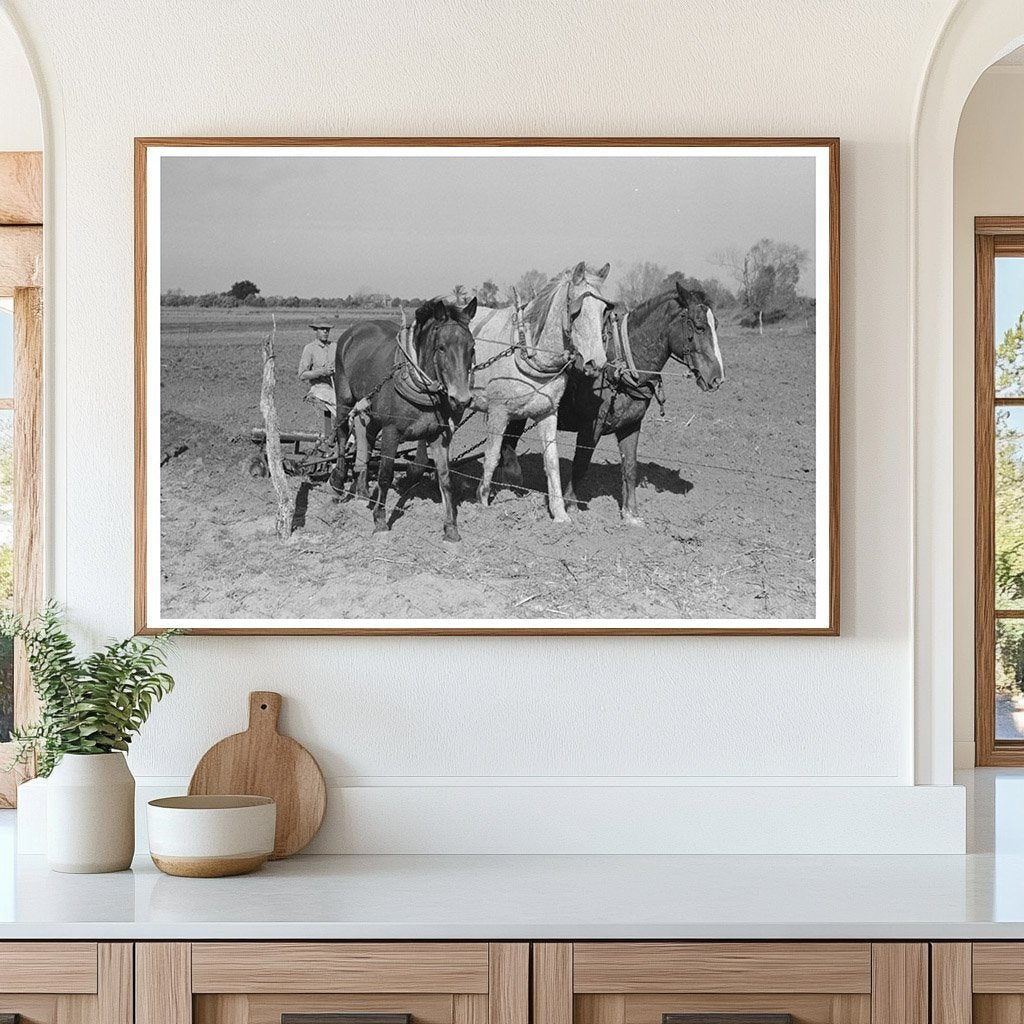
(494, 983)
(66, 982)
(751, 982)
(308, 982)
(978, 983)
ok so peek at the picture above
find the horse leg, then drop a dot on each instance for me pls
(586, 442)
(368, 440)
(497, 421)
(511, 471)
(547, 430)
(388, 450)
(439, 453)
(628, 439)
(420, 465)
(340, 471)
(362, 462)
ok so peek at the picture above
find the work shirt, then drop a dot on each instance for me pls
(318, 357)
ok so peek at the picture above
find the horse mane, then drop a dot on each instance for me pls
(437, 310)
(441, 310)
(644, 309)
(535, 316)
(640, 312)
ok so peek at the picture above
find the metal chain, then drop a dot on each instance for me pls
(501, 355)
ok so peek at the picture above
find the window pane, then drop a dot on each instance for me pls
(6, 353)
(6, 567)
(1009, 679)
(1009, 532)
(1009, 321)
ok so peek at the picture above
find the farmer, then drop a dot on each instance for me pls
(316, 367)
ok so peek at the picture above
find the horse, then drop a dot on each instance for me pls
(410, 384)
(560, 326)
(677, 324)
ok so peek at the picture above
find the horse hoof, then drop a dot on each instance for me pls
(631, 520)
(337, 482)
(563, 518)
(451, 534)
(381, 528)
(484, 497)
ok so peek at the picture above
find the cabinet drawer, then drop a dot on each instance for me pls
(981, 982)
(66, 982)
(340, 967)
(634, 967)
(65, 967)
(730, 983)
(332, 983)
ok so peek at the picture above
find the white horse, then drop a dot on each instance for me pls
(561, 325)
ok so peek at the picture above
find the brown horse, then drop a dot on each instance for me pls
(410, 384)
(676, 324)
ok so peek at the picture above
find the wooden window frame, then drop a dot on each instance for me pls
(993, 237)
(21, 278)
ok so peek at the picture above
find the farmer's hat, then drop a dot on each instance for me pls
(320, 326)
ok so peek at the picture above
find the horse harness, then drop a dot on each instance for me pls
(525, 354)
(621, 372)
(409, 379)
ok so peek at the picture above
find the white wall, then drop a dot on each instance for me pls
(988, 180)
(21, 127)
(456, 712)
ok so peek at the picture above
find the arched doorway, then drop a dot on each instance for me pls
(976, 34)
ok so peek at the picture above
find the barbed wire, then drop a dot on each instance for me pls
(661, 459)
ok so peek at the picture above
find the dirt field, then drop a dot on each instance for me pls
(726, 490)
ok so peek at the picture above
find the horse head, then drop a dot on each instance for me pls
(444, 348)
(693, 341)
(584, 315)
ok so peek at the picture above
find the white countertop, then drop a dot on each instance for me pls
(496, 897)
(977, 896)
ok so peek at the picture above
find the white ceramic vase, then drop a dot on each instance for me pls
(90, 814)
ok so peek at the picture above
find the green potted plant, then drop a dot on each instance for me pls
(90, 708)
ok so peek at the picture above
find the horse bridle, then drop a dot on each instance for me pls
(691, 323)
(421, 380)
(434, 388)
(574, 305)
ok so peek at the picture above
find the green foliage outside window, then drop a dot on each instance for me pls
(1009, 510)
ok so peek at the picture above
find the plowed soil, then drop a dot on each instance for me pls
(726, 492)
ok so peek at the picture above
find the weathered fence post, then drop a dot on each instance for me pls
(285, 497)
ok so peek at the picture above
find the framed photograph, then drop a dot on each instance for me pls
(497, 386)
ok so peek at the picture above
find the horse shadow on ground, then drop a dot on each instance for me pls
(603, 480)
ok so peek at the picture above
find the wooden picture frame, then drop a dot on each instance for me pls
(825, 551)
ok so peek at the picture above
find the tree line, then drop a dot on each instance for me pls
(765, 279)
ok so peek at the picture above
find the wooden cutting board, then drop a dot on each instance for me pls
(262, 762)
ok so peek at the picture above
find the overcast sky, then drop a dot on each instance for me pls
(416, 226)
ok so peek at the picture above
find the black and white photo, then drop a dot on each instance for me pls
(469, 386)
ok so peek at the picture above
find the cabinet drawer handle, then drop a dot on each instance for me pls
(727, 1018)
(338, 1018)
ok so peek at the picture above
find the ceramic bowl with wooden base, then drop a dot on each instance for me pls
(211, 836)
